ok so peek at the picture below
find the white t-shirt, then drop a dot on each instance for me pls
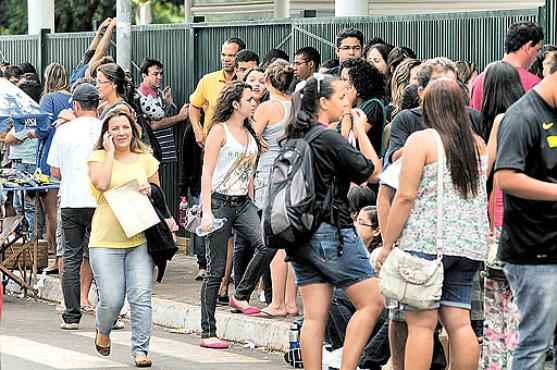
(71, 147)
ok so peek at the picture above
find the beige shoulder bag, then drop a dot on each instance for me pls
(411, 280)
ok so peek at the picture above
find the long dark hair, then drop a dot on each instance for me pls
(502, 88)
(305, 104)
(122, 80)
(224, 108)
(444, 110)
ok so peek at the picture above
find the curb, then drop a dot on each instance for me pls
(186, 318)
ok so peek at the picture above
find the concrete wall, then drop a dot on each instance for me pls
(218, 10)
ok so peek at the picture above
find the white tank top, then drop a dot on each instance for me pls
(235, 165)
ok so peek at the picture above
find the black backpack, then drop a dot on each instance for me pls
(160, 241)
(292, 213)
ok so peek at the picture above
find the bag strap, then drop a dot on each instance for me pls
(313, 133)
(238, 162)
(440, 191)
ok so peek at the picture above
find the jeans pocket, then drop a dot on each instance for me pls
(327, 249)
(216, 203)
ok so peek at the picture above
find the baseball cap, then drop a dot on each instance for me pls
(85, 92)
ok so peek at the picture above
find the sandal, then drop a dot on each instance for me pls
(142, 360)
(249, 310)
(214, 343)
(87, 308)
(101, 350)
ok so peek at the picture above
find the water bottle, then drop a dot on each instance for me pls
(218, 223)
(294, 336)
(391, 303)
(183, 212)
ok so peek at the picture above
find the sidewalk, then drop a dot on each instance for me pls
(176, 306)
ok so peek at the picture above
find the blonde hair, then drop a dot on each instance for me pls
(400, 80)
(136, 145)
(55, 79)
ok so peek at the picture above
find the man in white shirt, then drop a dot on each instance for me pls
(71, 147)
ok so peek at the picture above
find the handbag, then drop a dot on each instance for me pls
(414, 281)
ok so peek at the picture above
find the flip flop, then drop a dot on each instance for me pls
(267, 315)
(250, 310)
(87, 308)
(218, 344)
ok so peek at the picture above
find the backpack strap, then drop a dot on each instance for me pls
(313, 133)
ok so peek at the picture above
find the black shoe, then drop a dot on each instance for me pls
(223, 300)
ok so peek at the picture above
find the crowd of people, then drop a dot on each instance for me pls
(429, 156)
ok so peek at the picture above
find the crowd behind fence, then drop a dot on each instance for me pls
(188, 51)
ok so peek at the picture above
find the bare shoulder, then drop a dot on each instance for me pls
(217, 134)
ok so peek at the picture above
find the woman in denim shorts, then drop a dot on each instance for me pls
(335, 255)
(413, 219)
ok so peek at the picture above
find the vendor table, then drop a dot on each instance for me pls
(28, 251)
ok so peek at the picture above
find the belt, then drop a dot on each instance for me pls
(231, 199)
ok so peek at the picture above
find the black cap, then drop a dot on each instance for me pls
(85, 92)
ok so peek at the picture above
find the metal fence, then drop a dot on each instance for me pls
(188, 51)
(550, 14)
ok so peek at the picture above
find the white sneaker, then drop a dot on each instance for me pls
(69, 326)
(118, 325)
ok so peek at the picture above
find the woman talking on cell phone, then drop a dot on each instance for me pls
(122, 266)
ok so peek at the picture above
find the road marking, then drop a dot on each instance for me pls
(51, 356)
(181, 350)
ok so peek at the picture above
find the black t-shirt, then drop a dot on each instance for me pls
(409, 121)
(375, 114)
(335, 158)
(527, 142)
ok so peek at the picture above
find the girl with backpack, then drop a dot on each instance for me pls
(231, 152)
(335, 256)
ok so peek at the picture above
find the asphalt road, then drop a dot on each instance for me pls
(30, 339)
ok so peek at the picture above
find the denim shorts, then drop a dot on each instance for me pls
(319, 260)
(457, 281)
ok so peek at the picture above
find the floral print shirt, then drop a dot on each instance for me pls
(465, 221)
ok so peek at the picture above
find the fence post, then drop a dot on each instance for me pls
(42, 52)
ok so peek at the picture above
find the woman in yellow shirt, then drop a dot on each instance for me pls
(121, 265)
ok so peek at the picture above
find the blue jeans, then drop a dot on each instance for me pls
(119, 272)
(320, 262)
(533, 288)
(29, 203)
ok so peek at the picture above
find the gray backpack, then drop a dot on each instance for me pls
(292, 213)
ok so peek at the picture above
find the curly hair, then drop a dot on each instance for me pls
(280, 74)
(522, 33)
(224, 108)
(400, 80)
(367, 80)
(464, 70)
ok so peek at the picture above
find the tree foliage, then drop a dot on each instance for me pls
(81, 15)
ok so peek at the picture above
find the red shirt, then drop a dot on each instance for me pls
(529, 80)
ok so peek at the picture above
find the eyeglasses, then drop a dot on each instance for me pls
(363, 223)
(297, 64)
(348, 47)
(99, 82)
